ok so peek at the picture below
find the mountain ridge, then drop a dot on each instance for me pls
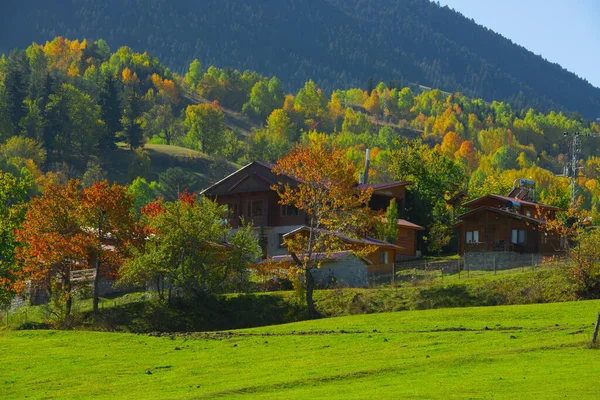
(339, 43)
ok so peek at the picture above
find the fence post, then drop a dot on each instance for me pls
(468, 269)
(494, 264)
(7, 315)
(458, 267)
(595, 336)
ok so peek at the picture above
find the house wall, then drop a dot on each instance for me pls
(407, 238)
(374, 257)
(272, 210)
(350, 271)
(498, 233)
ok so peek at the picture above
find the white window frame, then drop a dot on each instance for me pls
(518, 236)
(472, 237)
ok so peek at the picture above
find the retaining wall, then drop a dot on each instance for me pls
(498, 260)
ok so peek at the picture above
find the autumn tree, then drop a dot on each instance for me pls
(205, 125)
(326, 190)
(105, 214)
(451, 144)
(468, 153)
(373, 104)
(273, 141)
(53, 242)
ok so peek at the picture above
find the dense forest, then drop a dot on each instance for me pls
(339, 44)
(74, 109)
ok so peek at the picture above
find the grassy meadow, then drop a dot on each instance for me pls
(504, 352)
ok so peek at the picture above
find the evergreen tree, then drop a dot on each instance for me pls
(110, 106)
(16, 86)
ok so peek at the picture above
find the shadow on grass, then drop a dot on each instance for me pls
(212, 313)
(452, 296)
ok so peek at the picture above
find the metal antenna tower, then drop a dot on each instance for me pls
(572, 165)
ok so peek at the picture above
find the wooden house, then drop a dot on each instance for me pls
(248, 195)
(501, 231)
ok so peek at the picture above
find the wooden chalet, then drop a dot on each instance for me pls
(248, 195)
(510, 227)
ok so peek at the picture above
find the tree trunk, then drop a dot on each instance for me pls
(69, 302)
(310, 287)
(97, 284)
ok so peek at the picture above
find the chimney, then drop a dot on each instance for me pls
(366, 174)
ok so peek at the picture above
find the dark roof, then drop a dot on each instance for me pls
(368, 241)
(382, 186)
(407, 224)
(500, 211)
(267, 176)
(338, 255)
(512, 199)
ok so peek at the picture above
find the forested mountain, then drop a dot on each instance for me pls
(338, 43)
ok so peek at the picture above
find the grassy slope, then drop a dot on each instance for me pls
(163, 157)
(533, 351)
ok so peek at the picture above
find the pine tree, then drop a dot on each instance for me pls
(111, 112)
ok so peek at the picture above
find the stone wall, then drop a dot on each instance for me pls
(349, 271)
(499, 260)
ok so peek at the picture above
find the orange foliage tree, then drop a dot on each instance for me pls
(53, 241)
(106, 213)
(326, 191)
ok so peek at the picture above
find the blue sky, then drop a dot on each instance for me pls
(566, 32)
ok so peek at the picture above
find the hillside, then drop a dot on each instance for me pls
(163, 157)
(538, 351)
(339, 43)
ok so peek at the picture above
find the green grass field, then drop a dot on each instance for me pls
(508, 352)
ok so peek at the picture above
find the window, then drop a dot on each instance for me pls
(473, 237)
(409, 234)
(255, 208)
(518, 236)
(289, 211)
(528, 213)
(383, 257)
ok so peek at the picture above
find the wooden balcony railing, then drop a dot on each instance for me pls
(83, 275)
